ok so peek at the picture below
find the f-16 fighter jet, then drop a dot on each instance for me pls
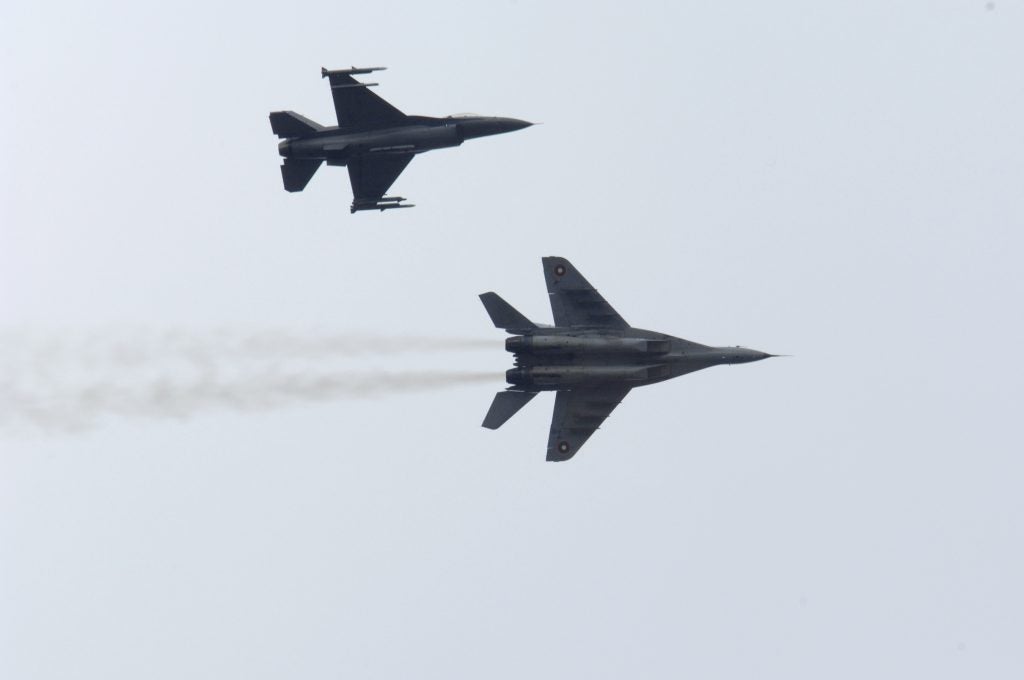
(591, 357)
(373, 138)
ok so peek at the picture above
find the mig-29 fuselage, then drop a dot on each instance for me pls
(591, 357)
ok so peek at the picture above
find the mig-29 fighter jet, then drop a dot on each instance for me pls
(373, 138)
(591, 357)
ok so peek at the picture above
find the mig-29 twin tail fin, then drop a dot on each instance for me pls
(505, 316)
(506, 404)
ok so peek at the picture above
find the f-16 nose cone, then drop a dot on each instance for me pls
(484, 127)
(514, 124)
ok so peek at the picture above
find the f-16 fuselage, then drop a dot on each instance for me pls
(336, 145)
(373, 139)
(555, 359)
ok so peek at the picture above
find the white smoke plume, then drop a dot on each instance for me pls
(66, 383)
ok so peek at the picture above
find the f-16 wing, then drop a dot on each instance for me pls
(577, 415)
(574, 302)
(372, 175)
(353, 101)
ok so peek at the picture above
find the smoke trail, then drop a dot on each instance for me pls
(141, 346)
(67, 383)
(74, 408)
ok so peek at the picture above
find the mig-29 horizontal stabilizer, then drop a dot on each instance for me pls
(290, 124)
(505, 405)
(504, 315)
(296, 172)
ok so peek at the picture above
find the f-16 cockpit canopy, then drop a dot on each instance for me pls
(465, 115)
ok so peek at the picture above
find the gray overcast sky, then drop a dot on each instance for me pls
(838, 181)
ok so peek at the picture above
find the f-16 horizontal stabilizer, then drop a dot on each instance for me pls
(296, 173)
(505, 405)
(504, 315)
(290, 124)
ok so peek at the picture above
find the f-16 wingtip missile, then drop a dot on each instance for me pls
(392, 206)
(354, 71)
(382, 204)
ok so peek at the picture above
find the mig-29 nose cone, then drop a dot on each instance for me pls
(742, 355)
(486, 126)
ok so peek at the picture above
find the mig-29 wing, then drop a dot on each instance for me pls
(577, 415)
(574, 302)
(354, 103)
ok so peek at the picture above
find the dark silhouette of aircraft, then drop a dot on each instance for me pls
(373, 138)
(591, 357)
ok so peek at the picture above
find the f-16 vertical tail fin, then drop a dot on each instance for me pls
(290, 124)
(504, 315)
(505, 405)
(296, 172)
